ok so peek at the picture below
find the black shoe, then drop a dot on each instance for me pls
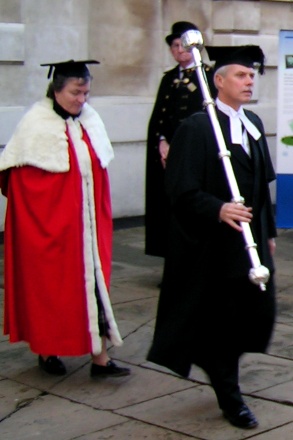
(111, 369)
(242, 418)
(52, 365)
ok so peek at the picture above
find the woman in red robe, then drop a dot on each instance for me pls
(58, 228)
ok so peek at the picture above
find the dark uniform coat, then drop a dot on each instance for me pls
(207, 305)
(175, 101)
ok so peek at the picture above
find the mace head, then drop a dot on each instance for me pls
(191, 39)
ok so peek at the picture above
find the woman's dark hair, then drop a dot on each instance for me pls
(60, 82)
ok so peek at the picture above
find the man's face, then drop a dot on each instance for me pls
(73, 95)
(236, 86)
(180, 55)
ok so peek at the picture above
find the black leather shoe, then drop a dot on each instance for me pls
(242, 418)
(111, 369)
(52, 365)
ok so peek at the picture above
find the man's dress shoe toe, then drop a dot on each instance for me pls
(242, 418)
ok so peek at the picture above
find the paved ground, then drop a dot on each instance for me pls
(152, 403)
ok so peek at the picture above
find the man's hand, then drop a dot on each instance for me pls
(233, 213)
(272, 246)
(164, 150)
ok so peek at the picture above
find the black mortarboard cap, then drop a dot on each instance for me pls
(178, 29)
(247, 56)
(70, 68)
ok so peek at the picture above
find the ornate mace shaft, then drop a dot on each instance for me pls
(193, 42)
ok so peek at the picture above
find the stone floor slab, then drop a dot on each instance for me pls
(282, 393)
(50, 417)
(282, 433)
(14, 395)
(133, 430)
(132, 315)
(126, 292)
(260, 371)
(112, 393)
(194, 412)
(282, 343)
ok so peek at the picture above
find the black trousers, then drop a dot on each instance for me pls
(224, 376)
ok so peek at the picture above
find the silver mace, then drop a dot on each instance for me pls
(192, 41)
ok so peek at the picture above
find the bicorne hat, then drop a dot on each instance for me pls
(178, 29)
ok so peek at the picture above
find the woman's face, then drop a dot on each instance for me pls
(73, 95)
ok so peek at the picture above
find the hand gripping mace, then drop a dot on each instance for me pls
(192, 41)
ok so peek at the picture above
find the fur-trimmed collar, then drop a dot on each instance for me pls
(40, 139)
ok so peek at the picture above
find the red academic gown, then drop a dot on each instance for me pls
(46, 285)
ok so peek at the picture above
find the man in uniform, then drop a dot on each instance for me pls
(178, 96)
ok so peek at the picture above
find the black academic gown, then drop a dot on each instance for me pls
(207, 305)
(174, 102)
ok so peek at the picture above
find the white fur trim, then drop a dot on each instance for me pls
(93, 267)
(40, 140)
(95, 128)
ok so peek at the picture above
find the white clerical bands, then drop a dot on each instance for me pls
(236, 122)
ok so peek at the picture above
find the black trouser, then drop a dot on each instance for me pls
(224, 376)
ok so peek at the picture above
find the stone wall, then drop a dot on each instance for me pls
(127, 37)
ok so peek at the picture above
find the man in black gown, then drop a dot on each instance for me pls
(209, 312)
